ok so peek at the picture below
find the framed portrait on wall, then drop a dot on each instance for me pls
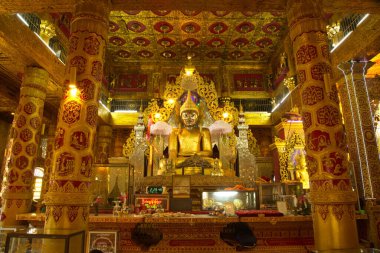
(106, 241)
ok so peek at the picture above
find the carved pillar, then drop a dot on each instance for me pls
(104, 143)
(247, 161)
(362, 138)
(69, 196)
(17, 188)
(330, 187)
(138, 156)
(48, 164)
(359, 128)
(281, 159)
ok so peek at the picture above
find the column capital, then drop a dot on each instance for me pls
(354, 67)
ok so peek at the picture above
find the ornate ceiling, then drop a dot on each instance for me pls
(208, 36)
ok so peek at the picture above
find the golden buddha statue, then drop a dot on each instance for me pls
(190, 140)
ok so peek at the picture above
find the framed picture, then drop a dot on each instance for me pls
(181, 186)
(106, 241)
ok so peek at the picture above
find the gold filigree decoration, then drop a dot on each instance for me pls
(129, 145)
(252, 144)
(205, 90)
(295, 140)
(290, 83)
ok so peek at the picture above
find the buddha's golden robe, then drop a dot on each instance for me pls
(184, 143)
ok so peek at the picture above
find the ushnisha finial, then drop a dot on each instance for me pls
(189, 105)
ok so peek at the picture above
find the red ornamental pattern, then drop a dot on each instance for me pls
(57, 212)
(65, 164)
(19, 203)
(333, 94)
(21, 120)
(92, 115)
(312, 165)
(91, 45)
(87, 89)
(9, 203)
(333, 163)
(12, 176)
(72, 212)
(31, 149)
(79, 140)
(318, 140)
(27, 177)
(86, 166)
(22, 162)
(26, 135)
(325, 52)
(97, 70)
(80, 63)
(338, 211)
(323, 210)
(16, 149)
(73, 43)
(318, 70)
(312, 95)
(301, 76)
(35, 123)
(328, 116)
(71, 112)
(47, 213)
(59, 138)
(340, 138)
(306, 53)
(306, 118)
(29, 108)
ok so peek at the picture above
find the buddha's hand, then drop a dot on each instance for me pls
(205, 153)
(186, 153)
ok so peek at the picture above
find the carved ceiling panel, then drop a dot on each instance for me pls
(208, 36)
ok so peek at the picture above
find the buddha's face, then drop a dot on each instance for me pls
(189, 118)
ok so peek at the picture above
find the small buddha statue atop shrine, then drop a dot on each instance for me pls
(189, 140)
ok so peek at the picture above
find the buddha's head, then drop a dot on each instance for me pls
(189, 112)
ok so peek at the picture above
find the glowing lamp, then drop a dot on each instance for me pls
(189, 69)
(225, 115)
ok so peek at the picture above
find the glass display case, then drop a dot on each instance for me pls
(3, 236)
(38, 240)
(239, 200)
(269, 194)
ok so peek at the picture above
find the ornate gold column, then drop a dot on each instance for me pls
(69, 196)
(361, 135)
(48, 164)
(330, 188)
(359, 128)
(104, 142)
(17, 188)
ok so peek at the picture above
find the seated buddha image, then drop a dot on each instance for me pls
(190, 146)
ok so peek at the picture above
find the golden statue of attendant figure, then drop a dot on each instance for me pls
(190, 140)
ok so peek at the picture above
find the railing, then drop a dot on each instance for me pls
(337, 32)
(128, 105)
(254, 104)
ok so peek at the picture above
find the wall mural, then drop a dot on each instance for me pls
(248, 82)
(130, 82)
